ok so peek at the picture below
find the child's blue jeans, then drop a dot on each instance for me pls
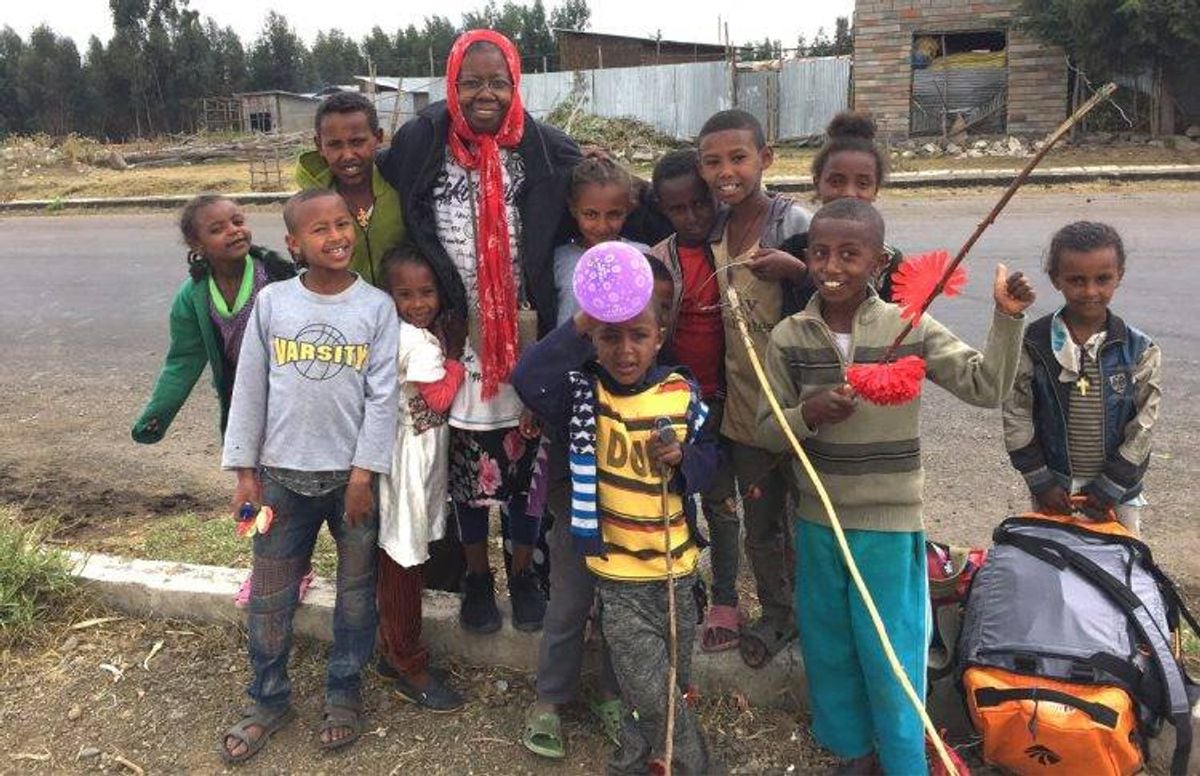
(857, 704)
(281, 558)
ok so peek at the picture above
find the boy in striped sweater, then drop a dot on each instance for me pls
(869, 459)
(613, 401)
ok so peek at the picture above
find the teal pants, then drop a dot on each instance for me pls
(857, 704)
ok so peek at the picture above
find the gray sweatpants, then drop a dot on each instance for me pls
(634, 618)
(572, 590)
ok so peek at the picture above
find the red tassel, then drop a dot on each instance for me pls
(917, 277)
(897, 382)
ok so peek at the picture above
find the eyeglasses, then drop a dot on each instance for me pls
(475, 85)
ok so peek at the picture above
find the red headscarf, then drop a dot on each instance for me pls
(475, 151)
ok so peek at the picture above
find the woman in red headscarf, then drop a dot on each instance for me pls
(484, 190)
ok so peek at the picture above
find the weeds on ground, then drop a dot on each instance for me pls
(193, 538)
(36, 584)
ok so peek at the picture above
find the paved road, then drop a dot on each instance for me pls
(83, 328)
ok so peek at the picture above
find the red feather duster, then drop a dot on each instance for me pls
(914, 285)
(914, 282)
(898, 382)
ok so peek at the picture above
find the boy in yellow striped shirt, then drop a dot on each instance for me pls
(598, 384)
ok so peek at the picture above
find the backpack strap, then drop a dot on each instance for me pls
(1178, 706)
(1165, 583)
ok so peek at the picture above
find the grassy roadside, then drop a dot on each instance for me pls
(206, 538)
(36, 584)
(82, 181)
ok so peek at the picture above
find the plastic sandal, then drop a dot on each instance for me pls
(543, 735)
(762, 641)
(610, 713)
(340, 717)
(271, 723)
(721, 630)
(241, 599)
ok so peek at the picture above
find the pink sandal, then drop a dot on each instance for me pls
(721, 629)
(242, 598)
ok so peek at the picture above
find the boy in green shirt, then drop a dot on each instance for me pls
(347, 137)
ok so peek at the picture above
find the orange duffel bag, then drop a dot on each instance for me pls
(1034, 725)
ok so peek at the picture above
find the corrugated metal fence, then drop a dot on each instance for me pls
(811, 92)
(676, 99)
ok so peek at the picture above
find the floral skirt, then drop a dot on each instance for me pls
(489, 467)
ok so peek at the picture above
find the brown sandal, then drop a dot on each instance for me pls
(271, 723)
(340, 718)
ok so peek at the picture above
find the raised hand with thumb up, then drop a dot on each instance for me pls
(1013, 293)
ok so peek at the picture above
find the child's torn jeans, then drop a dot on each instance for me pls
(281, 557)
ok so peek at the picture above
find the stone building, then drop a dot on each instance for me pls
(274, 111)
(582, 50)
(921, 67)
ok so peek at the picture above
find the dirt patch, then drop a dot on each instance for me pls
(62, 711)
(78, 503)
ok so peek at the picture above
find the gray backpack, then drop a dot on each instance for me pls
(1062, 614)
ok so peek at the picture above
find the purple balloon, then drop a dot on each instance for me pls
(613, 281)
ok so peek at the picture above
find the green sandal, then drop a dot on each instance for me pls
(543, 735)
(610, 713)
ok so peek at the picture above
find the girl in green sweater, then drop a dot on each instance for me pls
(209, 315)
(210, 309)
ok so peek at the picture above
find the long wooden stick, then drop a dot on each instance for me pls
(1103, 94)
(898, 670)
(669, 748)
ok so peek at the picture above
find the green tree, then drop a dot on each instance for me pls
(534, 38)
(438, 34)
(821, 45)
(12, 117)
(98, 117)
(571, 15)
(381, 50)
(336, 58)
(229, 74)
(50, 82)
(482, 18)
(1110, 36)
(766, 49)
(279, 59)
(843, 37)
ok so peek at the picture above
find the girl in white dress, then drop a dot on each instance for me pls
(412, 500)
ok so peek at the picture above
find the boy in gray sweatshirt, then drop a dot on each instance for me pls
(312, 421)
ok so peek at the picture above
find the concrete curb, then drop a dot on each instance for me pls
(134, 203)
(900, 180)
(205, 594)
(988, 177)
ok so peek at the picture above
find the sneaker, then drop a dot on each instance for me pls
(479, 613)
(528, 601)
(385, 670)
(436, 696)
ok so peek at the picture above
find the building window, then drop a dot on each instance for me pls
(260, 122)
(960, 82)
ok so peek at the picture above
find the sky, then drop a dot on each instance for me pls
(754, 20)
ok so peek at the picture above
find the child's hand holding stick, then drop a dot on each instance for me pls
(828, 407)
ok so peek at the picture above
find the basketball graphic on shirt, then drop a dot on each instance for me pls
(319, 334)
(320, 352)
